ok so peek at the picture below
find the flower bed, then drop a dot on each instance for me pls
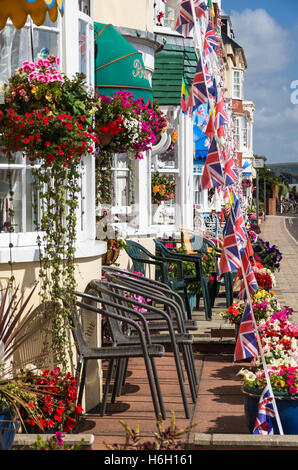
(278, 335)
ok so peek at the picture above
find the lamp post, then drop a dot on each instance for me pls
(257, 195)
(257, 163)
(264, 198)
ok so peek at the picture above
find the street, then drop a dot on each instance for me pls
(292, 226)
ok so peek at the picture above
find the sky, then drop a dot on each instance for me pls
(268, 32)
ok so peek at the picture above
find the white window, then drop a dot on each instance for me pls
(122, 187)
(86, 40)
(237, 135)
(237, 92)
(245, 132)
(164, 15)
(85, 7)
(164, 172)
(18, 45)
(21, 212)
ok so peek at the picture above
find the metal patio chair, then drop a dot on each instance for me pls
(144, 348)
(158, 288)
(116, 292)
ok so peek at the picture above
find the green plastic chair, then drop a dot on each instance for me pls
(198, 277)
(141, 257)
(200, 244)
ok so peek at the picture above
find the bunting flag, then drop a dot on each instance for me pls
(184, 94)
(198, 93)
(213, 173)
(210, 41)
(221, 117)
(210, 5)
(238, 221)
(230, 170)
(210, 83)
(263, 424)
(246, 344)
(200, 8)
(210, 130)
(230, 258)
(250, 278)
(184, 22)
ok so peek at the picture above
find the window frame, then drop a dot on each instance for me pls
(87, 20)
(237, 96)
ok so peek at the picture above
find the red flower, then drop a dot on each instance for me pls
(58, 418)
(78, 409)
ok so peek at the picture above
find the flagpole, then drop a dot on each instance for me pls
(259, 341)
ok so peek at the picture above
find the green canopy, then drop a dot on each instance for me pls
(118, 65)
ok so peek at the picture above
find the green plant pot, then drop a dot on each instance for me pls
(287, 409)
(8, 427)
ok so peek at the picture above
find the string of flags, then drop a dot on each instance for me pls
(222, 173)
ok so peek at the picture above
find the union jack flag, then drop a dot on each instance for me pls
(210, 131)
(263, 424)
(198, 93)
(209, 82)
(220, 115)
(213, 173)
(250, 278)
(185, 20)
(230, 169)
(237, 217)
(230, 257)
(210, 41)
(246, 344)
(200, 8)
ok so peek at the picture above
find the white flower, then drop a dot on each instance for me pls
(247, 374)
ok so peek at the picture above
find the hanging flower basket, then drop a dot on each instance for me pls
(105, 138)
(134, 126)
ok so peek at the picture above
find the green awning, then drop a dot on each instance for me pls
(172, 64)
(118, 65)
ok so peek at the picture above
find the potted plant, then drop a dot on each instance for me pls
(56, 402)
(17, 326)
(264, 277)
(264, 305)
(268, 255)
(163, 188)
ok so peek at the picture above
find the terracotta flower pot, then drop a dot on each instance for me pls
(105, 138)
